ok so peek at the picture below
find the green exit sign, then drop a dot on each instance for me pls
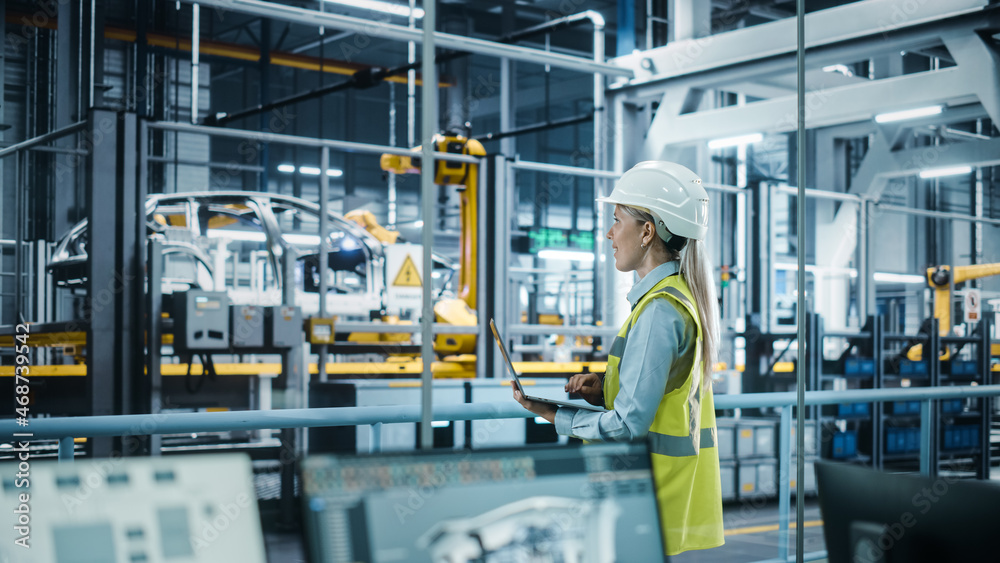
(560, 238)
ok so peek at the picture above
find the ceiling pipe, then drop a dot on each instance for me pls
(553, 124)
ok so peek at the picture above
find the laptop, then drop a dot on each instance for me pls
(513, 372)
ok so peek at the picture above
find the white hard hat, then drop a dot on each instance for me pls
(671, 193)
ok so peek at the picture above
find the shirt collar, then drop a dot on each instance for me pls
(654, 277)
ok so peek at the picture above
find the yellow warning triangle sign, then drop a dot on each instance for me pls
(408, 275)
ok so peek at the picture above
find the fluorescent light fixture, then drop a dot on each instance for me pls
(842, 69)
(540, 420)
(419, 224)
(572, 255)
(948, 171)
(814, 269)
(889, 277)
(735, 141)
(908, 114)
(310, 170)
(440, 423)
(304, 240)
(377, 6)
(251, 236)
(885, 277)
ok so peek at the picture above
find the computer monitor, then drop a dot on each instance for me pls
(192, 508)
(875, 517)
(593, 503)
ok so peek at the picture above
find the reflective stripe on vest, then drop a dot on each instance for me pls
(680, 446)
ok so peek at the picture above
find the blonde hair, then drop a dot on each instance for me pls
(697, 269)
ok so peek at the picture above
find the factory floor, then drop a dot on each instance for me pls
(751, 535)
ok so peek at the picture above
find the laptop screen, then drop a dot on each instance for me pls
(592, 503)
(506, 358)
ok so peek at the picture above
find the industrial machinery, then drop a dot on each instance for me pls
(943, 279)
(466, 177)
(234, 240)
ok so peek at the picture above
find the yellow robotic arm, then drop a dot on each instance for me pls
(942, 279)
(466, 177)
(366, 219)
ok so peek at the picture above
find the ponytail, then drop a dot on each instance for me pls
(696, 267)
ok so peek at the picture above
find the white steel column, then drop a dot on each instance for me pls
(429, 119)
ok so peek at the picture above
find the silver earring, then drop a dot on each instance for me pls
(643, 245)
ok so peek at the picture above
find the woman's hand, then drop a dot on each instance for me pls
(588, 386)
(544, 410)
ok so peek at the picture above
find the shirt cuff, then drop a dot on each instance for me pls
(564, 420)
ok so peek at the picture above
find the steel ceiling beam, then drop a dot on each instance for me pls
(856, 31)
(825, 107)
(383, 29)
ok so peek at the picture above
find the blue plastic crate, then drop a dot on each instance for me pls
(845, 444)
(859, 366)
(911, 368)
(952, 438)
(862, 409)
(966, 440)
(963, 367)
(906, 407)
(952, 405)
(912, 437)
(895, 440)
(970, 436)
(845, 410)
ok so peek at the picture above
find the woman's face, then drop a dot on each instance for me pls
(626, 238)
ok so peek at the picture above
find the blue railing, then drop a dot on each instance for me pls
(65, 429)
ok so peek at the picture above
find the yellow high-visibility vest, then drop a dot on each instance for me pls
(682, 438)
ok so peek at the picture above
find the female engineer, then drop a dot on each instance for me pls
(658, 381)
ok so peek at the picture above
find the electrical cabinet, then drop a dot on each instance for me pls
(283, 326)
(246, 326)
(201, 321)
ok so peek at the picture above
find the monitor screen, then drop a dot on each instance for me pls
(593, 503)
(875, 517)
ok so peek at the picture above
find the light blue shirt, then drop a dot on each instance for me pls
(653, 362)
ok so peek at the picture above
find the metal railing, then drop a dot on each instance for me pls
(65, 429)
